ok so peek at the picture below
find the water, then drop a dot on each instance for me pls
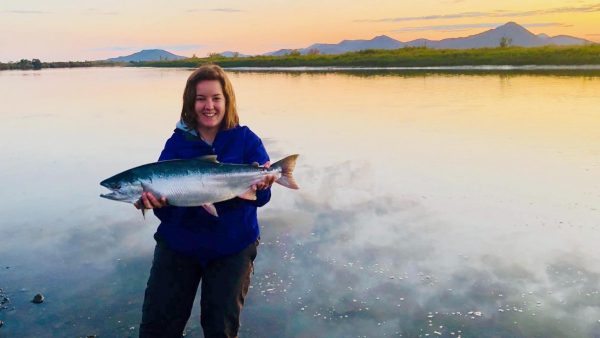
(431, 203)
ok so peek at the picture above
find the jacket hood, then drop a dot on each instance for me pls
(182, 126)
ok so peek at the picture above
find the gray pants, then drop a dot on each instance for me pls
(172, 287)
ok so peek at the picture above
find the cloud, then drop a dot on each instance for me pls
(19, 11)
(95, 11)
(133, 49)
(355, 262)
(447, 27)
(547, 24)
(341, 259)
(494, 14)
(223, 10)
(183, 47)
(460, 27)
(113, 49)
(227, 10)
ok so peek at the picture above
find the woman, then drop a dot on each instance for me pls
(193, 245)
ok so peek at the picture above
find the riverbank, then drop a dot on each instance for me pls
(36, 64)
(563, 57)
(408, 57)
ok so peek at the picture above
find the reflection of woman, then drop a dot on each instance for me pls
(193, 245)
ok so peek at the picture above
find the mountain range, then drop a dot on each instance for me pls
(513, 34)
(510, 34)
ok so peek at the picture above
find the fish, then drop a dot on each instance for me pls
(195, 182)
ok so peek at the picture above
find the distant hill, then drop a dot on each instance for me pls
(148, 55)
(514, 34)
(230, 54)
(378, 42)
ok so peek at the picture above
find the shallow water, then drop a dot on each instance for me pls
(440, 204)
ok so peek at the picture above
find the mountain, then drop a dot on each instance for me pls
(148, 55)
(518, 35)
(230, 54)
(513, 34)
(568, 40)
(378, 42)
(280, 52)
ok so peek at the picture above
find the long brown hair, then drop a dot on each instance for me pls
(209, 72)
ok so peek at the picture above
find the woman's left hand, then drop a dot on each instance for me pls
(268, 181)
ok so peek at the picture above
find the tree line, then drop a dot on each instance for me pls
(36, 64)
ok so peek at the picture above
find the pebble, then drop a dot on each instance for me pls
(38, 299)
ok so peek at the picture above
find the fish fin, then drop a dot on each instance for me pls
(248, 195)
(209, 158)
(210, 208)
(142, 209)
(287, 166)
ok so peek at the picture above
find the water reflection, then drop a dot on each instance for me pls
(381, 266)
(416, 72)
(431, 204)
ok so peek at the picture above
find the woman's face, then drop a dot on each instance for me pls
(210, 104)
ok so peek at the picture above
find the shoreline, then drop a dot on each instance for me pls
(465, 67)
(414, 58)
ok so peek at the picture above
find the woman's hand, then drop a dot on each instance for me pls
(148, 201)
(268, 181)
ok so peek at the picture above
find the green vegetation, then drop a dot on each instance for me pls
(37, 64)
(408, 57)
(505, 54)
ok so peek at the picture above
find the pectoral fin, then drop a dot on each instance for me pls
(142, 209)
(209, 158)
(249, 195)
(210, 208)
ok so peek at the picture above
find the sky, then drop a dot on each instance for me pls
(63, 30)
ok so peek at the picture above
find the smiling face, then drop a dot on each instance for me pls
(210, 105)
(206, 81)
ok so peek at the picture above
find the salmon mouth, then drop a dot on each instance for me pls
(113, 195)
(113, 187)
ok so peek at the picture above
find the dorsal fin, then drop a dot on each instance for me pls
(209, 158)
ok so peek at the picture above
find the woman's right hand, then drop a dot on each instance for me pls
(148, 201)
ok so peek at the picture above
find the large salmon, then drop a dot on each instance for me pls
(196, 182)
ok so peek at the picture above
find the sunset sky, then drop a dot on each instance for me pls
(62, 30)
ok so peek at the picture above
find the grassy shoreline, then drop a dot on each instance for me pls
(36, 64)
(408, 57)
(403, 57)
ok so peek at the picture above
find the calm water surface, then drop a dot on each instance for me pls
(431, 204)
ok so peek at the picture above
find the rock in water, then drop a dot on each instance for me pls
(38, 299)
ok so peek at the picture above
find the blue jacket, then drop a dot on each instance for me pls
(191, 230)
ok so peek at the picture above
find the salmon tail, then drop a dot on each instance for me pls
(287, 166)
